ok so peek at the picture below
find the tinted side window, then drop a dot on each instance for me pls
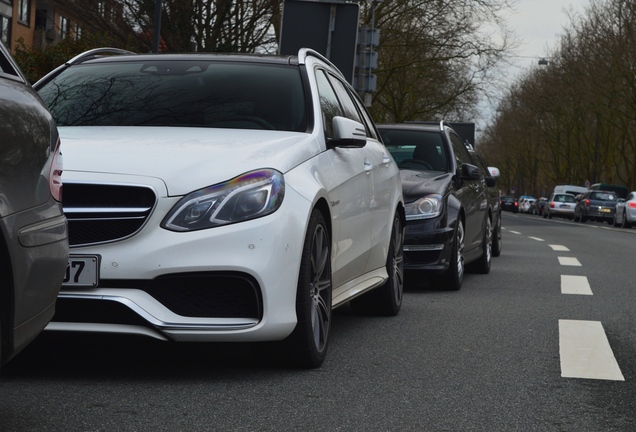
(368, 123)
(350, 110)
(461, 154)
(328, 102)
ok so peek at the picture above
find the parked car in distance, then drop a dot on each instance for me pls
(33, 229)
(494, 198)
(595, 205)
(525, 203)
(449, 218)
(538, 207)
(510, 203)
(561, 205)
(619, 190)
(570, 189)
(625, 214)
(221, 197)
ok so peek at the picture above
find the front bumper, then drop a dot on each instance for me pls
(156, 282)
(427, 245)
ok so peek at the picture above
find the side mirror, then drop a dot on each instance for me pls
(491, 181)
(348, 133)
(494, 172)
(470, 172)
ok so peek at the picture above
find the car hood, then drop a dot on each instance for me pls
(416, 184)
(186, 159)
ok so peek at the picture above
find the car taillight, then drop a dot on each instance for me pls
(516, 203)
(55, 175)
(631, 204)
(551, 205)
(587, 203)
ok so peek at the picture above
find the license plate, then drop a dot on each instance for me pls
(82, 271)
(565, 206)
(605, 210)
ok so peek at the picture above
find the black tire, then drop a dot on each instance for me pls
(497, 239)
(549, 215)
(309, 341)
(386, 300)
(453, 277)
(482, 265)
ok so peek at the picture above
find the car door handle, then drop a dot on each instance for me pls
(385, 159)
(367, 166)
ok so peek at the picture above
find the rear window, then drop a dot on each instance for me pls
(603, 196)
(185, 93)
(564, 198)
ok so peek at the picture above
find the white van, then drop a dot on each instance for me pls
(571, 189)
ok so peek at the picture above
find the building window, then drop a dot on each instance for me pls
(24, 11)
(78, 32)
(5, 30)
(63, 27)
(101, 9)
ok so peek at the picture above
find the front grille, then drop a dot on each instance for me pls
(201, 295)
(99, 213)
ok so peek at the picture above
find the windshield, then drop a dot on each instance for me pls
(416, 150)
(200, 93)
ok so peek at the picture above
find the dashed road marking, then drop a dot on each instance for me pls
(536, 238)
(569, 261)
(585, 351)
(559, 248)
(575, 285)
(514, 232)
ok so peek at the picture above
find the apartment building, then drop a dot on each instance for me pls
(37, 22)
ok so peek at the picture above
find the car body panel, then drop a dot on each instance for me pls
(626, 209)
(33, 229)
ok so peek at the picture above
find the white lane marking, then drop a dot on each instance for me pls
(559, 248)
(536, 238)
(515, 232)
(569, 261)
(575, 285)
(585, 351)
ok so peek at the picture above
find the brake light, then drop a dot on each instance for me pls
(587, 203)
(516, 203)
(631, 204)
(551, 205)
(55, 175)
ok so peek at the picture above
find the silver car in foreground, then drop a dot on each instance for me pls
(33, 229)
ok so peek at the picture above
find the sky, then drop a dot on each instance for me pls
(538, 26)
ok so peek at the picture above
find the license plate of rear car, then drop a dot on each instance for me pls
(565, 206)
(82, 271)
(605, 210)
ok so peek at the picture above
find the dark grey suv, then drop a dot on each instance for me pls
(33, 229)
(449, 218)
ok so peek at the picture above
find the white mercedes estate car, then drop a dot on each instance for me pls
(222, 198)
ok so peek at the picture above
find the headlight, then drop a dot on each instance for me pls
(249, 196)
(427, 207)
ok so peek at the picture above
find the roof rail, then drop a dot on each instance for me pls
(303, 53)
(94, 53)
